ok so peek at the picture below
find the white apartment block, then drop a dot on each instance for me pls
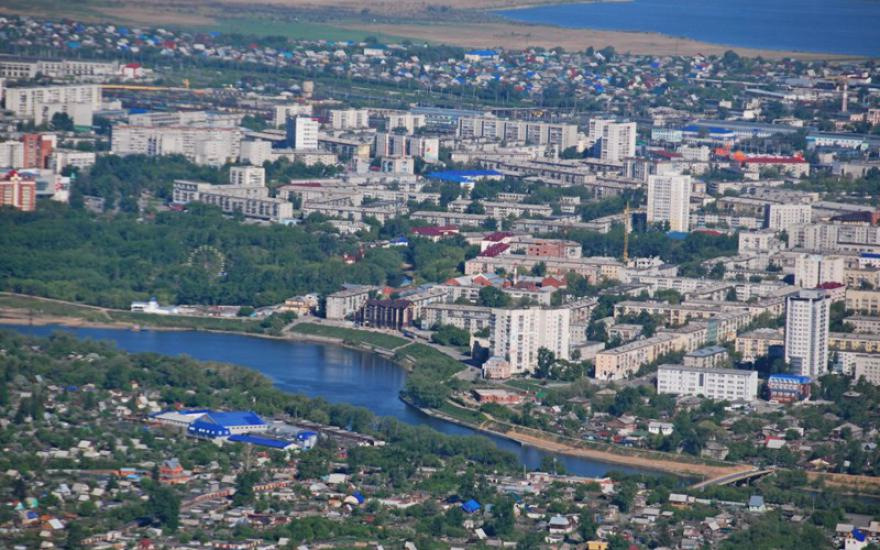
(26, 68)
(349, 119)
(834, 236)
(618, 141)
(409, 121)
(11, 154)
(720, 384)
(781, 217)
(518, 334)
(247, 176)
(282, 112)
(200, 144)
(40, 103)
(669, 199)
(245, 194)
(62, 158)
(518, 131)
(806, 332)
(399, 145)
(185, 118)
(759, 242)
(302, 133)
(865, 365)
(811, 270)
(256, 152)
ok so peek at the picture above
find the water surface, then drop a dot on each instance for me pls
(838, 26)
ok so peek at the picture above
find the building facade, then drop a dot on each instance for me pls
(721, 384)
(806, 332)
(669, 199)
(518, 334)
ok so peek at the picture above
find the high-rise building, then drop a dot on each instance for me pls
(18, 191)
(302, 133)
(518, 334)
(618, 141)
(41, 103)
(669, 199)
(811, 270)
(37, 149)
(806, 332)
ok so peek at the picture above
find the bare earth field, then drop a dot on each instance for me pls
(434, 21)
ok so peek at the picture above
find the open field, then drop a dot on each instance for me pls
(464, 23)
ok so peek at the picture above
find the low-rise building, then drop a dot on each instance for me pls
(787, 388)
(726, 384)
(346, 303)
(709, 357)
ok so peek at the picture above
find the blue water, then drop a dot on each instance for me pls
(337, 374)
(827, 26)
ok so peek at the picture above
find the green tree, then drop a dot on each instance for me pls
(493, 297)
(163, 506)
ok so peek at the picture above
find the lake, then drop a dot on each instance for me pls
(849, 27)
(339, 375)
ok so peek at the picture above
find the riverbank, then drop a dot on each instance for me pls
(403, 352)
(633, 458)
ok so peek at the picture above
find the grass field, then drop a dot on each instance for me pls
(462, 414)
(296, 30)
(423, 354)
(375, 339)
(55, 309)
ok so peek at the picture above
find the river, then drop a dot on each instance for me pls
(850, 27)
(339, 375)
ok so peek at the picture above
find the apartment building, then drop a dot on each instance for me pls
(517, 131)
(518, 334)
(393, 314)
(853, 342)
(669, 199)
(470, 318)
(812, 270)
(280, 113)
(302, 133)
(503, 210)
(719, 384)
(201, 144)
(863, 301)
(406, 120)
(246, 194)
(757, 343)
(18, 191)
(28, 68)
(806, 332)
(623, 361)
(618, 141)
(41, 103)
(864, 324)
(781, 217)
(594, 269)
(347, 302)
(400, 145)
(759, 242)
(865, 366)
(348, 119)
(708, 357)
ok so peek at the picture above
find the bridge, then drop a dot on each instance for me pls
(730, 479)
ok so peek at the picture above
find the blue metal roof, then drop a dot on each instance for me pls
(791, 378)
(483, 53)
(463, 176)
(262, 441)
(235, 418)
(470, 506)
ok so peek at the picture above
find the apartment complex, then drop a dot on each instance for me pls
(400, 145)
(806, 332)
(470, 318)
(758, 343)
(669, 199)
(721, 384)
(209, 145)
(518, 334)
(41, 103)
(863, 301)
(517, 131)
(246, 194)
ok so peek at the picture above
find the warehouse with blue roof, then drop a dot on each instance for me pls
(215, 424)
